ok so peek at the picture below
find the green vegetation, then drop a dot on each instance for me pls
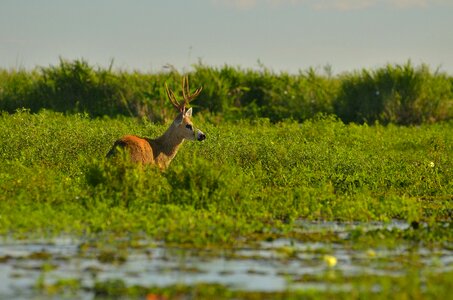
(246, 177)
(276, 153)
(396, 94)
(398, 288)
(400, 94)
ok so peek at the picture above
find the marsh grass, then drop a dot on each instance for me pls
(364, 287)
(400, 94)
(250, 181)
(246, 176)
(276, 155)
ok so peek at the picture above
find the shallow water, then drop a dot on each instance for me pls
(267, 266)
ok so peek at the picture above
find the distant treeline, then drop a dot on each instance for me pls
(400, 94)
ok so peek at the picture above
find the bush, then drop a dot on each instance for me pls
(401, 94)
(395, 94)
(239, 94)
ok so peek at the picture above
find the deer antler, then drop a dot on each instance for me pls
(187, 96)
(171, 96)
(186, 91)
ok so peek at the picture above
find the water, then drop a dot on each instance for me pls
(269, 266)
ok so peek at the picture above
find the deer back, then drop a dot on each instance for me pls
(139, 149)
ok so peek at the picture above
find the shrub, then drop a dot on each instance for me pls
(400, 94)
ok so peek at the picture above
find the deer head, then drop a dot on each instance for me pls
(183, 122)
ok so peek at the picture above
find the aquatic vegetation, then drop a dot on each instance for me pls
(249, 177)
(375, 198)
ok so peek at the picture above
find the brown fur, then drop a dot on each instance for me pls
(139, 149)
(159, 151)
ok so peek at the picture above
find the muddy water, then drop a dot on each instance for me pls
(266, 266)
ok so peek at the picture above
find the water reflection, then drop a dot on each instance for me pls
(269, 266)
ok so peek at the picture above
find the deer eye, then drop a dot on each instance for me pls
(188, 126)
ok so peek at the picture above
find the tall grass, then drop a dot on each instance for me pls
(400, 94)
(237, 93)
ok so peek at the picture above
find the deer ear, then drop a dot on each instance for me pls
(178, 120)
(188, 112)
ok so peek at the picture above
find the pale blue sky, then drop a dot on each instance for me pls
(285, 35)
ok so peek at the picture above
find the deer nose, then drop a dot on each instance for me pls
(201, 136)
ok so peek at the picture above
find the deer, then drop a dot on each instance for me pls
(161, 151)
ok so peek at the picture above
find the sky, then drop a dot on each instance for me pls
(282, 35)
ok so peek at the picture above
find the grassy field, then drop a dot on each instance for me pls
(399, 94)
(250, 181)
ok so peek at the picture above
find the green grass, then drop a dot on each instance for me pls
(246, 177)
(399, 94)
(280, 151)
(249, 181)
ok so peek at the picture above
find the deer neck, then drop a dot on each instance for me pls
(166, 146)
